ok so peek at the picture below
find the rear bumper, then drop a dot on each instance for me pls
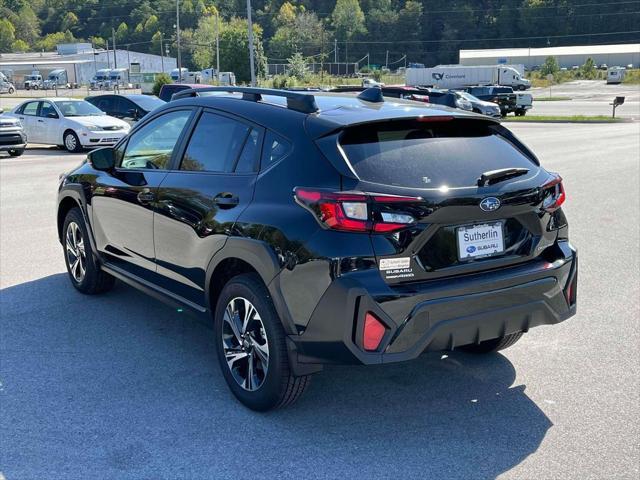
(437, 315)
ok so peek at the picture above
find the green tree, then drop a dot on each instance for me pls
(20, 46)
(298, 66)
(348, 19)
(27, 25)
(122, 32)
(7, 35)
(161, 80)
(69, 21)
(589, 70)
(550, 66)
(234, 47)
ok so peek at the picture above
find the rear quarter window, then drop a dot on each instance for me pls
(429, 154)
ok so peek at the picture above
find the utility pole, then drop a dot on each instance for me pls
(250, 26)
(218, 47)
(335, 50)
(178, 40)
(322, 53)
(108, 57)
(115, 60)
(129, 66)
(162, 51)
(95, 62)
(386, 62)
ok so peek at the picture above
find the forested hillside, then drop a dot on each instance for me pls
(427, 31)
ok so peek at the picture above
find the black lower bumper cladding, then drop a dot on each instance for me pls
(438, 315)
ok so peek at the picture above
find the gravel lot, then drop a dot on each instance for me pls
(121, 386)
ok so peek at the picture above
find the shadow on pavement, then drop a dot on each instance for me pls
(121, 386)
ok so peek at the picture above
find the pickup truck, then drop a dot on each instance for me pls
(505, 97)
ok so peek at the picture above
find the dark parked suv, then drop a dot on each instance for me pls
(321, 228)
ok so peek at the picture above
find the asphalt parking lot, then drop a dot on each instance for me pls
(121, 386)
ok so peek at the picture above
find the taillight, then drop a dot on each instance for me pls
(356, 212)
(554, 195)
(373, 332)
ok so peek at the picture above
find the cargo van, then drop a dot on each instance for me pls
(615, 75)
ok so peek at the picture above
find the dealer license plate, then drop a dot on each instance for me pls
(484, 240)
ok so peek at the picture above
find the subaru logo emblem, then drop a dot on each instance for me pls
(490, 204)
(471, 249)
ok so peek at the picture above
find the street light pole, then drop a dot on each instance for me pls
(218, 47)
(162, 51)
(178, 40)
(251, 60)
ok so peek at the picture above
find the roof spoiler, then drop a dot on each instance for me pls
(299, 101)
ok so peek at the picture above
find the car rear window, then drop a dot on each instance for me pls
(428, 154)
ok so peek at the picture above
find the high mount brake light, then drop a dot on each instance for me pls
(438, 118)
(554, 194)
(355, 212)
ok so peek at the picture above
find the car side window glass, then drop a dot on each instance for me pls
(30, 108)
(248, 160)
(275, 149)
(104, 104)
(152, 146)
(47, 109)
(123, 105)
(215, 144)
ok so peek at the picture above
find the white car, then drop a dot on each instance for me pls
(69, 123)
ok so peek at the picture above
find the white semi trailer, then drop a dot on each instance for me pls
(459, 76)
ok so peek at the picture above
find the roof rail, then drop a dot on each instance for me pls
(298, 101)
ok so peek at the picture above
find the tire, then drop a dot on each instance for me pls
(11, 91)
(35, 87)
(495, 345)
(71, 142)
(76, 245)
(17, 152)
(271, 387)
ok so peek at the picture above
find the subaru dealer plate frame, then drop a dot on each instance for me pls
(480, 240)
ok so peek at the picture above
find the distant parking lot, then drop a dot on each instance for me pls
(121, 386)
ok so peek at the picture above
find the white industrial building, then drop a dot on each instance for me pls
(612, 55)
(81, 61)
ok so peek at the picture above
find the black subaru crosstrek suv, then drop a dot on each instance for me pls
(320, 228)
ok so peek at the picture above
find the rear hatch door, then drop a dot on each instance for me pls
(471, 191)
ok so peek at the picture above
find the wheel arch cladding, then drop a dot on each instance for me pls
(243, 255)
(65, 205)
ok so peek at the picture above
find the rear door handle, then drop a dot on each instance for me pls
(226, 200)
(146, 196)
(41, 121)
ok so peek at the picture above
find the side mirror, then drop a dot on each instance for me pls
(133, 113)
(1, 110)
(52, 115)
(103, 159)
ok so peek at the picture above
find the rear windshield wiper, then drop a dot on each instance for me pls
(495, 176)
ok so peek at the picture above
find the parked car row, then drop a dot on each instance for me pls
(449, 98)
(103, 120)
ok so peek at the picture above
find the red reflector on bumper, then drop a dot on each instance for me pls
(374, 330)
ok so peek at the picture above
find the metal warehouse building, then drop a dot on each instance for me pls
(81, 61)
(612, 55)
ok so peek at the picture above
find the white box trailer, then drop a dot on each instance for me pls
(459, 76)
